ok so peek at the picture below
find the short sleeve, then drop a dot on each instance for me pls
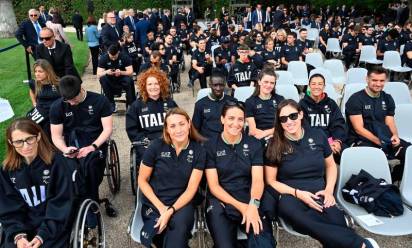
(102, 62)
(200, 162)
(127, 60)
(210, 156)
(106, 107)
(353, 106)
(249, 105)
(32, 85)
(257, 153)
(327, 151)
(390, 105)
(56, 113)
(149, 156)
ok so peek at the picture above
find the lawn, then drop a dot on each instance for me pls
(13, 72)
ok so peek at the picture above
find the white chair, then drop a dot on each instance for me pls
(405, 187)
(368, 55)
(313, 34)
(399, 92)
(136, 224)
(289, 229)
(337, 70)
(348, 92)
(392, 62)
(401, 49)
(202, 93)
(333, 45)
(329, 89)
(284, 77)
(373, 161)
(403, 119)
(243, 93)
(299, 72)
(314, 59)
(356, 76)
(288, 91)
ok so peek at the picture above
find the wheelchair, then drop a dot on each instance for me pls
(112, 171)
(134, 165)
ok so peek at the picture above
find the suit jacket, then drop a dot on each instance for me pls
(190, 18)
(77, 21)
(270, 18)
(255, 17)
(278, 19)
(179, 18)
(43, 19)
(26, 34)
(110, 36)
(130, 24)
(62, 60)
(316, 25)
(142, 27)
(166, 23)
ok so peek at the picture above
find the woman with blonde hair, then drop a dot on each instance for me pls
(44, 90)
(169, 177)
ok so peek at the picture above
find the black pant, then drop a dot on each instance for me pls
(114, 85)
(94, 51)
(79, 33)
(193, 75)
(349, 56)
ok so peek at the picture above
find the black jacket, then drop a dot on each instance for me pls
(26, 34)
(77, 21)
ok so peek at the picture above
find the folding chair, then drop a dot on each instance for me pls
(368, 55)
(337, 70)
(202, 93)
(299, 72)
(399, 92)
(288, 91)
(314, 59)
(356, 76)
(243, 93)
(284, 77)
(403, 117)
(374, 161)
(405, 188)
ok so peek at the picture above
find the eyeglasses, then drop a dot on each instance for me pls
(20, 143)
(292, 116)
(46, 38)
(235, 104)
(33, 15)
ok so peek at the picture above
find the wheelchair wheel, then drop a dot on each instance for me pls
(113, 167)
(82, 235)
(133, 170)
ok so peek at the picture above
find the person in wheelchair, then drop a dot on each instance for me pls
(115, 72)
(134, 52)
(36, 190)
(170, 58)
(201, 65)
(298, 160)
(155, 61)
(81, 123)
(169, 178)
(234, 173)
(145, 117)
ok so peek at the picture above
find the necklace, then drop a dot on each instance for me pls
(293, 139)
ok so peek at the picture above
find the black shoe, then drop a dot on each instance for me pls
(190, 84)
(110, 211)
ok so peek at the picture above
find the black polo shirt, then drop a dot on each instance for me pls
(269, 55)
(352, 42)
(122, 61)
(290, 53)
(45, 98)
(263, 111)
(200, 57)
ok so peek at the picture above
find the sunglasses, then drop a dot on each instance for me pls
(292, 116)
(235, 104)
(46, 38)
(33, 15)
(20, 143)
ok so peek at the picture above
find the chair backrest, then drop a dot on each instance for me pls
(399, 92)
(202, 93)
(313, 34)
(288, 91)
(329, 89)
(348, 92)
(370, 159)
(407, 174)
(356, 76)
(337, 70)
(391, 59)
(314, 59)
(333, 45)
(367, 53)
(299, 72)
(213, 54)
(403, 115)
(243, 93)
(284, 77)
(401, 49)
(137, 222)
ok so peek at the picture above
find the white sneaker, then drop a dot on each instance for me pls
(371, 243)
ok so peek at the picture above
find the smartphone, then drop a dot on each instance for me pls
(113, 70)
(320, 201)
(72, 151)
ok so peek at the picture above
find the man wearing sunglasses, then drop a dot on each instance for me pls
(28, 34)
(57, 53)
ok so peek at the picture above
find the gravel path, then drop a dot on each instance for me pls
(116, 228)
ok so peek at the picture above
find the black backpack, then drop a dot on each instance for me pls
(375, 195)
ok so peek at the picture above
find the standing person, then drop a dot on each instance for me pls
(36, 191)
(299, 160)
(110, 32)
(28, 33)
(261, 106)
(93, 37)
(234, 173)
(169, 177)
(257, 16)
(57, 53)
(44, 90)
(43, 16)
(77, 21)
(56, 25)
(90, 7)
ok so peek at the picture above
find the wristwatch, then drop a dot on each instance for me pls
(95, 146)
(255, 202)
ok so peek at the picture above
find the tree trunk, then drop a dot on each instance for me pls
(410, 10)
(8, 24)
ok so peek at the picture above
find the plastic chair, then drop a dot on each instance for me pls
(374, 161)
(348, 92)
(314, 59)
(399, 92)
(136, 224)
(290, 229)
(313, 34)
(401, 49)
(243, 93)
(337, 70)
(403, 117)
(299, 72)
(288, 91)
(329, 89)
(405, 187)
(284, 77)
(356, 76)
(202, 93)
(368, 55)
(392, 62)
(333, 45)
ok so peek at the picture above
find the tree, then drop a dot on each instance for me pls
(410, 9)
(8, 24)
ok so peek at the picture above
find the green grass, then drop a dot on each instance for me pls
(13, 72)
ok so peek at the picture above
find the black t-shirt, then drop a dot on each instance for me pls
(325, 36)
(48, 94)
(386, 45)
(84, 118)
(170, 51)
(367, 40)
(234, 163)
(371, 109)
(222, 53)
(263, 111)
(278, 46)
(304, 44)
(304, 167)
(258, 47)
(121, 62)
(290, 53)
(408, 48)
(352, 42)
(270, 55)
(200, 57)
(171, 173)
(241, 74)
(132, 50)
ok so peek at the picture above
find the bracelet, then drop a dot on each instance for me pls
(296, 192)
(173, 208)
